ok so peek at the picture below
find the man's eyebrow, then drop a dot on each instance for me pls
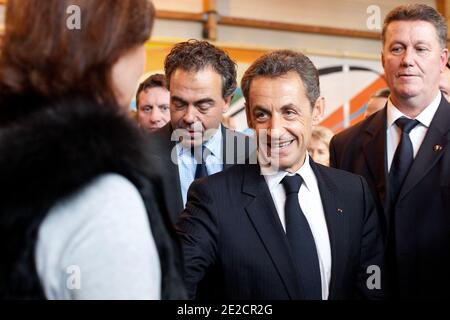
(260, 108)
(205, 100)
(397, 41)
(289, 105)
(178, 99)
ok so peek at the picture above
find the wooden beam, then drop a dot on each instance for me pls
(268, 25)
(2, 27)
(210, 26)
(441, 7)
(178, 15)
(282, 26)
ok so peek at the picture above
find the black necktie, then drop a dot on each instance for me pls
(199, 154)
(301, 240)
(403, 157)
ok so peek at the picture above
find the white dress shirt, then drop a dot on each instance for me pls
(417, 134)
(188, 164)
(311, 205)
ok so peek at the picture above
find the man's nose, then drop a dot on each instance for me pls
(408, 58)
(275, 126)
(190, 116)
(155, 116)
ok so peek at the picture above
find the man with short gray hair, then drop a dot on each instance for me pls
(404, 153)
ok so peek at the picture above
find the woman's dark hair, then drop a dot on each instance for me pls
(42, 54)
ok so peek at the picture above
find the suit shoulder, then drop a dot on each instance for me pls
(160, 135)
(237, 134)
(356, 131)
(235, 171)
(232, 175)
(159, 140)
(339, 176)
(352, 131)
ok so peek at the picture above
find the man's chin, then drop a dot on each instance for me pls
(153, 129)
(190, 142)
(407, 92)
(187, 137)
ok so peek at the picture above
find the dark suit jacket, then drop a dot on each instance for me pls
(235, 247)
(161, 147)
(422, 212)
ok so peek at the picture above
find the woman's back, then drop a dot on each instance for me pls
(78, 242)
(69, 157)
(64, 96)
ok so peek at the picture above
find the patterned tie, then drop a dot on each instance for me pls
(301, 240)
(403, 157)
(199, 154)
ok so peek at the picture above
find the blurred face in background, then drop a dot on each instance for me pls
(375, 104)
(153, 108)
(319, 152)
(125, 74)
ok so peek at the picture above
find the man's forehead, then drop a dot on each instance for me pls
(195, 71)
(417, 29)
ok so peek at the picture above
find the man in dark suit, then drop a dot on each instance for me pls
(201, 80)
(286, 227)
(404, 153)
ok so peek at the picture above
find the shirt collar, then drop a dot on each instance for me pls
(305, 171)
(214, 145)
(424, 117)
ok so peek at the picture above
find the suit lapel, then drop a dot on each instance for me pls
(432, 148)
(172, 194)
(232, 147)
(337, 228)
(263, 215)
(174, 199)
(225, 139)
(374, 148)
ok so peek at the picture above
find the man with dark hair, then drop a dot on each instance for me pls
(152, 103)
(404, 153)
(201, 79)
(286, 227)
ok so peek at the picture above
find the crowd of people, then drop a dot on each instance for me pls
(171, 204)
